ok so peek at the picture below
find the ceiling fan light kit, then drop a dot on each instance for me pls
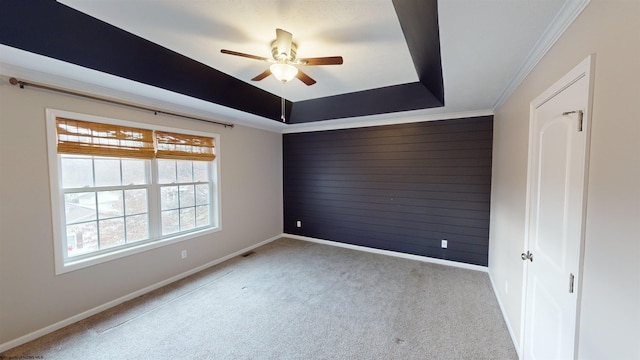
(283, 72)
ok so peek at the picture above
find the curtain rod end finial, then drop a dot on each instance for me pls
(14, 81)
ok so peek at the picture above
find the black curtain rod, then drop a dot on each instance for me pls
(22, 84)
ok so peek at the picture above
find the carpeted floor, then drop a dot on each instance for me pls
(293, 299)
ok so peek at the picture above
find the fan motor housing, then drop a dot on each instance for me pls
(279, 57)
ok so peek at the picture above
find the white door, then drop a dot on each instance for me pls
(555, 217)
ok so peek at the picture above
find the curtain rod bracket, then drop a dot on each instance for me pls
(14, 81)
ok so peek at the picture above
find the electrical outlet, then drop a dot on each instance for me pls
(298, 223)
(183, 254)
(444, 243)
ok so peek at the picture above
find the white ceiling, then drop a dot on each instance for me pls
(366, 34)
(487, 47)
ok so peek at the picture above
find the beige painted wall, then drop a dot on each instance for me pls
(31, 296)
(610, 315)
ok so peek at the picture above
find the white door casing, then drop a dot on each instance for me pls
(556, 199)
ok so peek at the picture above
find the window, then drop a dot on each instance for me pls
(184, 195)
(119, 187)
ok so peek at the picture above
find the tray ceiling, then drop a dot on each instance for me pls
(484, 46)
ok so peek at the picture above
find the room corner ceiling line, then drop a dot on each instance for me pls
(22, 84)
(382, 121)
(565, 17)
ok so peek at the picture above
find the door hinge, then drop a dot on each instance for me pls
(571, 278)
(580, 117)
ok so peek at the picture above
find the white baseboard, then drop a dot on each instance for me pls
(506, 319)
(391, 253)
(60, 324)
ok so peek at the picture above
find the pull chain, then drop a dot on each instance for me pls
(282, 109)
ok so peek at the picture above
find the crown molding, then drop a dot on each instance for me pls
(563, 19)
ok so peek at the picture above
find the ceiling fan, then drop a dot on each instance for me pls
(284, 61)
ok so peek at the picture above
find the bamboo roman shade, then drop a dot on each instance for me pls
(185, 147)
(90, 138)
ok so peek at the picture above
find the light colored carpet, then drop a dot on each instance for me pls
(298, 300)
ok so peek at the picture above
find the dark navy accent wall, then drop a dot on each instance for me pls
(398, 187)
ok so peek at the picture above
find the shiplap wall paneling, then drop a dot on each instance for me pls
(396, 187)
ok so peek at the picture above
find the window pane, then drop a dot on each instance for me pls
(134, 171)
(137, 228)
(185, 173)
(168, 197)
(187, 218)
(110, 204)
(80, 207)
(170, 222)
(202, 216)
(187, 195)
(107, 172)
(135, 201)
(202, 194)
(200, 171)
(76, 172)
(82, 238)
(111, 232)
(166, 171)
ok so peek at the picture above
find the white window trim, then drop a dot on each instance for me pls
(55, 181)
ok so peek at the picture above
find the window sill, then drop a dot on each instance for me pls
(70, 265)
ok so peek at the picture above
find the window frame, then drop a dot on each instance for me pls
(64, 264)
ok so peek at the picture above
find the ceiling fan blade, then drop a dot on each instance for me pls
(230, 52)
(327, 60)
(283, 43)
(305, 78)
(262, 75)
